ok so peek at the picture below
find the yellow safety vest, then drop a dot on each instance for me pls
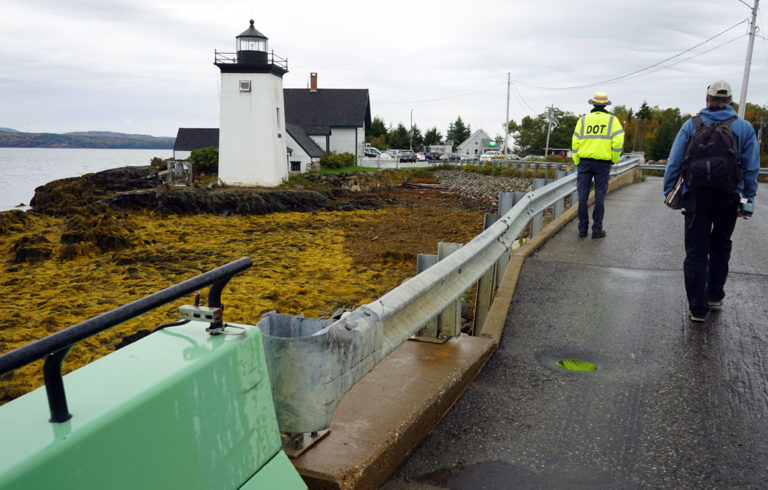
(598, 135)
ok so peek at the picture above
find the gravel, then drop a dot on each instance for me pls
(484, 188)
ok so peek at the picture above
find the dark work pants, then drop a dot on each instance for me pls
(709, 223)
(588, 169)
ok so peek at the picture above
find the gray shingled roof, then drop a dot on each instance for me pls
(320, 110)
(306, 143)
(188, 139)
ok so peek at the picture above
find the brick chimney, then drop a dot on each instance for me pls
(313, 82)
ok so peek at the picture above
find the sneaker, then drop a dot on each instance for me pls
(598, 234)
(695, 318)
(582, 234)
(718, 302)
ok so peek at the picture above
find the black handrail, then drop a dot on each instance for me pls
(56, 346)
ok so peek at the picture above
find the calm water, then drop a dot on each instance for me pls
(24, 169)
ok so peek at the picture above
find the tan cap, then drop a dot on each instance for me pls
(719, 89)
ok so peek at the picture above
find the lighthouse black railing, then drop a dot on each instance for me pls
(221, 58)
(56, 346)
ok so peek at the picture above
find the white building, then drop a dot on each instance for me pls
(267, 131)
(334, 119)
(252, 133)
(475, 145)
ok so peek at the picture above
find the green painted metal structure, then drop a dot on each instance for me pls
(180, 408)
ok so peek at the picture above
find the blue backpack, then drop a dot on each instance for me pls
(711, 162)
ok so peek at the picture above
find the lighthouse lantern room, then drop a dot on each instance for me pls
(252, 147)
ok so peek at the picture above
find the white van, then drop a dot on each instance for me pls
(490, 154)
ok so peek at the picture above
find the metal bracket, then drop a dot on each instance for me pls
(295, 445)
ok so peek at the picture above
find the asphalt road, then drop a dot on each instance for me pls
(672, 404)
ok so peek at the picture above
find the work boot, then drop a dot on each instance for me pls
(696, 318)
(598, 234)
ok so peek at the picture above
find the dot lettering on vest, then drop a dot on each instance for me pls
(596, 129)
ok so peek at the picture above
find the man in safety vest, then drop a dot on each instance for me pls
(597, 143)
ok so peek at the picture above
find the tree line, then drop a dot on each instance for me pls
(399, 137)
(83, 140)
(651, 130)
(648, 129)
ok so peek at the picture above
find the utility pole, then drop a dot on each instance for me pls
(550, 115)
(506, 121)
(745, 80)
(411, 143)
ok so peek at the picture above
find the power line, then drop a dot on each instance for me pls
(636, 72)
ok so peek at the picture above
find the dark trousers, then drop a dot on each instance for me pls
(709, 223)
(600, 171)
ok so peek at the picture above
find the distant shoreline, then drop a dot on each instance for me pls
(89, 139)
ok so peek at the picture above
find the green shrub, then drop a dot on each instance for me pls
(557, 158)
(334, 160)
(205, 160)
(423, 173)
(158, 163)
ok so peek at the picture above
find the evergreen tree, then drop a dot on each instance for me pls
(458, 132)
(398, 137)
(378, 128)
(433, 137)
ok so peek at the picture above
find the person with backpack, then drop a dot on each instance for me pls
(714, 159)
(597, 143)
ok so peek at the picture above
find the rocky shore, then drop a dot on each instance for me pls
(94, 243)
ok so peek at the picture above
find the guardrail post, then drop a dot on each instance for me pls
(429, 331)
(538, 220)
(486, 285)
(560, 204)
(506, 201)
(447, 323)
(449, 320)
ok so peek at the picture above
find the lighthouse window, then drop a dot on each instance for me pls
(245, 85)
(250, 44)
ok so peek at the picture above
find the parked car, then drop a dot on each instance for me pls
(385, 155)
(393, 154)
(372, 152)
(450, 157)
(528, 158)
(489, 155)
(420, 157)
(407, 156)
(431, 156)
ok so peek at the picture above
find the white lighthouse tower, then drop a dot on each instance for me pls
(252, 148)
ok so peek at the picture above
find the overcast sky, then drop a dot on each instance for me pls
(146, 66)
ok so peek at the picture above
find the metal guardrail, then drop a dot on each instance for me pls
(56, 346)
(658, 166)
(313, 364)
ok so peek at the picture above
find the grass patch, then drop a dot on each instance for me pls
(347, 170)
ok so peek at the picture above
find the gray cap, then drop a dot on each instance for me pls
(719, 89)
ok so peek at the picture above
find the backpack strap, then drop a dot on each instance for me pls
(729, 121)
(698, 122)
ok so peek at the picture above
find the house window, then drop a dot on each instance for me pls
(476, 143)
(295, 166)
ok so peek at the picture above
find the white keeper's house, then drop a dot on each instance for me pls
(267, 131)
